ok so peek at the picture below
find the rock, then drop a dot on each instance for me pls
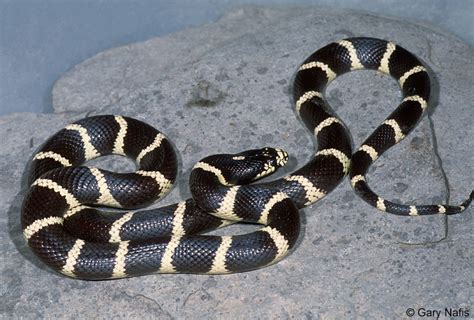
(224, 87)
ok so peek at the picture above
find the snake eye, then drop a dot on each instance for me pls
(267, 151)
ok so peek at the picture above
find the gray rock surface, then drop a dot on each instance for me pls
(224, 87)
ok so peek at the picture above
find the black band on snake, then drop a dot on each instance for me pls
(80, 241)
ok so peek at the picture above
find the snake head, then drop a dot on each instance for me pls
(263, 161)
(270, 157)
(244, 167)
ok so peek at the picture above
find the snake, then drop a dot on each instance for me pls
(64, 227)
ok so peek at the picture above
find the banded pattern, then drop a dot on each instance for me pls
(80, 241)
(414, 82)
(316, 72)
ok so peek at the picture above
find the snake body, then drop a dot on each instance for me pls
(80, 241)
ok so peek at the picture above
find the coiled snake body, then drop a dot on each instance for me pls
(80, 241)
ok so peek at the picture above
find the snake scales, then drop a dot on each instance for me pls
(74, 238)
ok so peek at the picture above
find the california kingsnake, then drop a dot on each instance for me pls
(80, 241)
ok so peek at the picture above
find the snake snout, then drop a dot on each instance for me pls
(282, 157)
(276, 157)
